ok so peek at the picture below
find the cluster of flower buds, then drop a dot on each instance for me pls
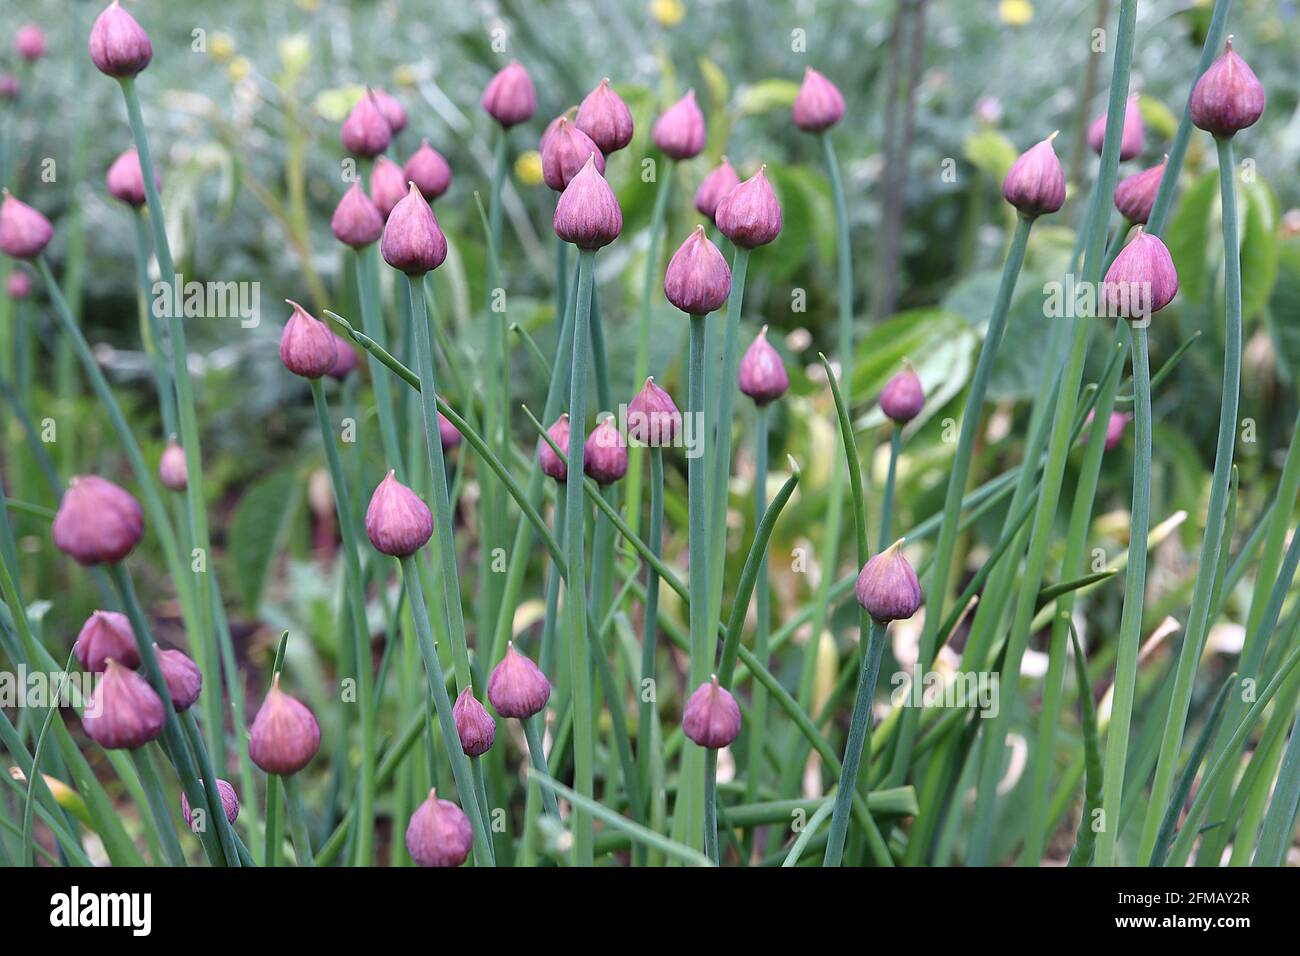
(118, 45)
(125, 179)
(903, 396)
(1133, 135)
(509, 97)
(173, 472)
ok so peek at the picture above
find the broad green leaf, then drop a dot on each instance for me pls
(256, 531)
(990, 152)
(1158, 118)
(1188, 237)
(767, 95)
(1259, 246)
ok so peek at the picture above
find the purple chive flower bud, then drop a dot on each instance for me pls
(24, 232)
(429, 171)
(887, 587)
(588, 214)
(819, 104)
(1136, 194)
(97, 522)
(346, 363)
(412, 241)
(604, 117)
(307, 345)
(356, 222)
(19, 285)
(762, 373)
(1228, 97)
(182, 676)
(398, 523)
(749, 215)
(555, 465)
(391, 109)
(712, 716)
(509, 97)
(698, 279)
(1115, 426)
(1035, 184)
(388, 184)
(604, 455)
(118, 45)
(366, 132)
(172, 469)
(564, 152)
(1131, 139)
(568, 115)
(124, 712)
(517, 687)
(448, 434)
(10, 88)
(474, 725)
(680, 131)
(29, 42)
(652, 416)
(125, 180)
(284, 736)
(229, 804)
(105, 635)
(903, 396)
(1142, 280)
(439, 833)
(720, 181)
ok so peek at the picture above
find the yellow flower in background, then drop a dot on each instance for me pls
(528, 168)
(221, 47)
(309, 6)
(667, 13)
(239, 69)
(1016, 13)
(405, 75)
(295, 53)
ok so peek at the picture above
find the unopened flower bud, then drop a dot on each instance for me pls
(173, 472)
(97, 522)
(819, 104)
(887, 587)
(430, 172)
(439, 833)
(285, 735)
(356, 222)
(555, 465)
(388, 184)
(24, 232)
(391, 109)
(182, 676)
(1142, 280)
(366, 132)
(1035, 184)
(346, 363)
(509, 97)
(517, 687)
(29, 42)
(1132, 137)
(762, 374)
(604, 456)
(714, 187)
(652, 417)
(412, 241)
(105, 635)
(474, 725)
(1136, 194)
(398, 523)
(903, 396)
(125, 179)
(229, 804)
(564, 152)
(712, 716)
(448, 434)
(307, 346)
(124, 712)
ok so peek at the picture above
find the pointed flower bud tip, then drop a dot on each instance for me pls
(173, 472)
(509, 97)
(229, 805)
(97, 522)
(712, 716)
(564, 152)
(413, 242)
(398, 523)
(307, 346)
(604, 456)
(1035, 184)
(517, 687)
(474, 725)
(285, 735)
(1132, 137)
(1136, 194)
(652, 417)
(903, 396)
(118, 45)
(750, 215)
(819, 104)
(430, 172)
(105, 635)
(356, 221)
(1228, 97)
(24, 232)
(1142, 280)
(680, 131)
(588, 214)
(605, 118)
(125, 179)
(698, 279)
(124, 712)
(388, 185)
(762, 374)
(366, 132)
(439, 834)
(887, 587)
(720, 181)
(182, 676)
(555, 465)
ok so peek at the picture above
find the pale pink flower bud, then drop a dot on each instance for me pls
(173, 471)
(605, 118)
(24, 232)
(356, 222)
(412, 241)
(124, 712)
(118, 45)
(680, 131)
(588, 214)
(366, 132)
(1132, 137)
(762, 374)
(1035, 184)
(388, 184)
(474, 725)
(887, 587)
(714, 187)
(307, 346)
(604, 455)
(509, 97)
(97, 522)
(819, 104)
(105, 635)
(439, 833)
(698, 280)
(430, 172)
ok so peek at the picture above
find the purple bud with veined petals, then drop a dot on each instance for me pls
(125, 179)
(474, 725)
(652, 417)
(605, 118)
(565, 151)
(182, 676)
(24, 232)
(1132, 136)
(430, 172)
(173, 471)
(762, 374)
(366, 132)
(1228, 97)
(903, 397)
(398, 523)
(1035, 184)
(750, 215)
(284, 735)
(555, 465)
(680, 131)
(819, 105)
(356, 222)
(1136, 194)
(711, 717)
(588, 214)
(29, 42)
(391, 109)
(229, 804)
(388, 184)
(698, 279)
(448, 434)
(439, 834)
(887, 587)
(97, 522)
(412, 241)
(307, 346)
(105, 635)
(714, 187)
(124, 712)
(604, 455)
(509, 96)
(517, 687)
(118, 45)
(1142, 280)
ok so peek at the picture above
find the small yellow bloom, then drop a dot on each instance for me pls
(528, 168)
(405, 76)
(239, 69)
(667, 13)
(221, 47)
(309, 6)
(295, 53)
(1016, 13)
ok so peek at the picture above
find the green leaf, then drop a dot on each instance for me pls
(767, 95)
(1188, 237)
(1157, 117)
(259, 524)
(1259, 247)
(1283, 304)
(990, 152)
